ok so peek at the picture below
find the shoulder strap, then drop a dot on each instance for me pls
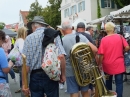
(77, 38)
(60, 37)
(121, 40)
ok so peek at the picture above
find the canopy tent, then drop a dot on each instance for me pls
(97, 21)
(125, 11)
(115, 19)
(9, 32)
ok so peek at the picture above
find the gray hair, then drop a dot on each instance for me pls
(37, 25)
(88, 28)
(66, 25)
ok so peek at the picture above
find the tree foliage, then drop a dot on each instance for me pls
(51, 14)
(2, 25)
(99, 15)
(122, 3)
(98, 10)
(35, 10)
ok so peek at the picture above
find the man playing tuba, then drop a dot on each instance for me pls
(69, 40)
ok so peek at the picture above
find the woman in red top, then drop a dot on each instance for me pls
(112, 58)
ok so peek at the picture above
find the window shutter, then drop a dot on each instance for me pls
(75, 9)
(79, 7)
(112, 4)
(83, 5)
(64, 13)
(70, 11)
(102, 4)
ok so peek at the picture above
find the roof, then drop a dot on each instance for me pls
(24, 15)
(125, 11)
(9, 32)
(12, 26)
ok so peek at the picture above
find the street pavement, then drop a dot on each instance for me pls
(15, 86)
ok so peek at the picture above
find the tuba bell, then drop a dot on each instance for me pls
(86, 69)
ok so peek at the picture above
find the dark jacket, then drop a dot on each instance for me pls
(49, 36)
(88, 37)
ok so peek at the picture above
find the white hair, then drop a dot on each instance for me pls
(66, 25)
(109, 26)
(37, 25)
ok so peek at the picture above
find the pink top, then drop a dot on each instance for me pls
(7, 46)
(111, 48)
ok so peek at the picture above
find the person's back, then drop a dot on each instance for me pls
(34, 43)
(81, 29)
(88, 37)
(40, 82)
(68, 42)
(113, 56)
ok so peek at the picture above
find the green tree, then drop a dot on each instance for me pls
(98, 10)
(2, 25)
(51, 14)
(98, 13)
(35, 10)
(122, 3)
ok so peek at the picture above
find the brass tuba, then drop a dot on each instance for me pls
(86, 69)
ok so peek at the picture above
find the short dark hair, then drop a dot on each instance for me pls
(80, 25)
(29, 32)
(2, 35)
(88, 28)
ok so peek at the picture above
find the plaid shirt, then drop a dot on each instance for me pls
(33, 48)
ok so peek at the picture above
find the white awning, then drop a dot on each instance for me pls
(97, 21)
(125, 11)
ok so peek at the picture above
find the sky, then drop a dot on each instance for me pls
(9, 9)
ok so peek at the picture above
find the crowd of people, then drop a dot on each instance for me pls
(108, 47)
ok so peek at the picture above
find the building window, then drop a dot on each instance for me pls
(81, 6)
(66, 12)
(73, 9)
(107, 3)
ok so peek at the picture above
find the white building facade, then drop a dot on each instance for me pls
(85, 9)
(23, 18)
(21, 22)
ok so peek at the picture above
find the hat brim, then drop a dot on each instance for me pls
(30, 23)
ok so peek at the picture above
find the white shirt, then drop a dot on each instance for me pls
(87, 32)
(19, 43)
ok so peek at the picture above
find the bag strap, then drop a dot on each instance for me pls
(77, 38)
(122, 41)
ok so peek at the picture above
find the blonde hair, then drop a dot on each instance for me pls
(22, 33)
(109, 27)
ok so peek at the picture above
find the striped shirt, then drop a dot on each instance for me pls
(33, 48)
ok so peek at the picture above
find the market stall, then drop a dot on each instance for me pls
(125, 11)
(10, 32)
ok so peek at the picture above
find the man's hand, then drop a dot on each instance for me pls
(26, 92)
(62, 78)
